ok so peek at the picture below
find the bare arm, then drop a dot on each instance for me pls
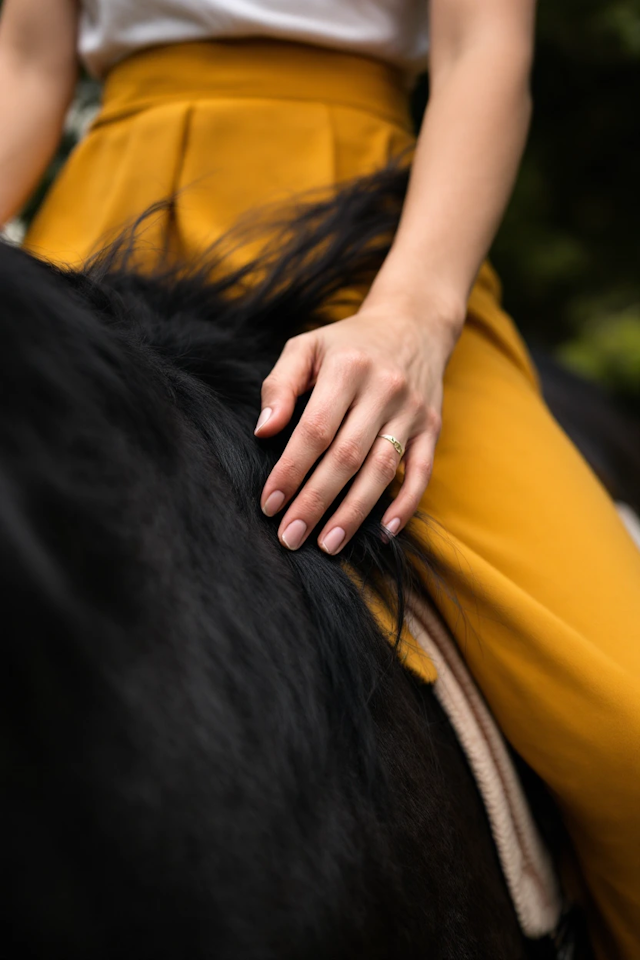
(38, 70)
(468, 151)
(380, 373)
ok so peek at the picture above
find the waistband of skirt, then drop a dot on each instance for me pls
(254, 69)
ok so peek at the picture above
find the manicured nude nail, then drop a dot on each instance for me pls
(262, 419)
(333, 540)
(273, 503)
(293, 534)
(393, 526)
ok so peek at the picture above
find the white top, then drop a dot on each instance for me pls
(392, 30)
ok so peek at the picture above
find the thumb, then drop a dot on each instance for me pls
(289, 379)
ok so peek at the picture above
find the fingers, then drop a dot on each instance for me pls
(330, 401)
(353, 401)
(290, 378)
(378, 471)
(418, 464)
(371, 483)
(344, 458)
(375, 471)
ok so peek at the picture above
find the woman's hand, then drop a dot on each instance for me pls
(379, 371)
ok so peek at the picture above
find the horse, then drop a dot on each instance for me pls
(209, 746)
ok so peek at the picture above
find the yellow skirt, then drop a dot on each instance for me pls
(545, 578)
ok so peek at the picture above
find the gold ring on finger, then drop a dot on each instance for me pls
(394, 442)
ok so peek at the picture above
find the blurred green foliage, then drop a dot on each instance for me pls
(569, 247)
(568, 251)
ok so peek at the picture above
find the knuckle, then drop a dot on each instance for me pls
(411, 504)
(393, 383)
(357, 512)
(422, 470)
(292, 344)
(355, 362)
(316, 430)
(286, 474)
(417, 406)
(385, 464)
(348, 455)
(312, 502)
(434, 421)
(269, 383)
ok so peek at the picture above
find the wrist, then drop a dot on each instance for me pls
(416, 325)
(431, 304)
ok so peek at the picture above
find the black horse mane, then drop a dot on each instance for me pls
(226, 327)
(208, 747)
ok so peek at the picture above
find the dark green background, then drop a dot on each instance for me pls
(569, 248)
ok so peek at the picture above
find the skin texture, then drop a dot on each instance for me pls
(381, 370)
(38, 71)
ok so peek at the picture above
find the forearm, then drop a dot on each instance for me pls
(38, 70)
(465, 164)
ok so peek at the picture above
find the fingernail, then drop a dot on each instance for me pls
(293, 534)
(262, 419)
(333, 540)
(393, 526)
(273, 503)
